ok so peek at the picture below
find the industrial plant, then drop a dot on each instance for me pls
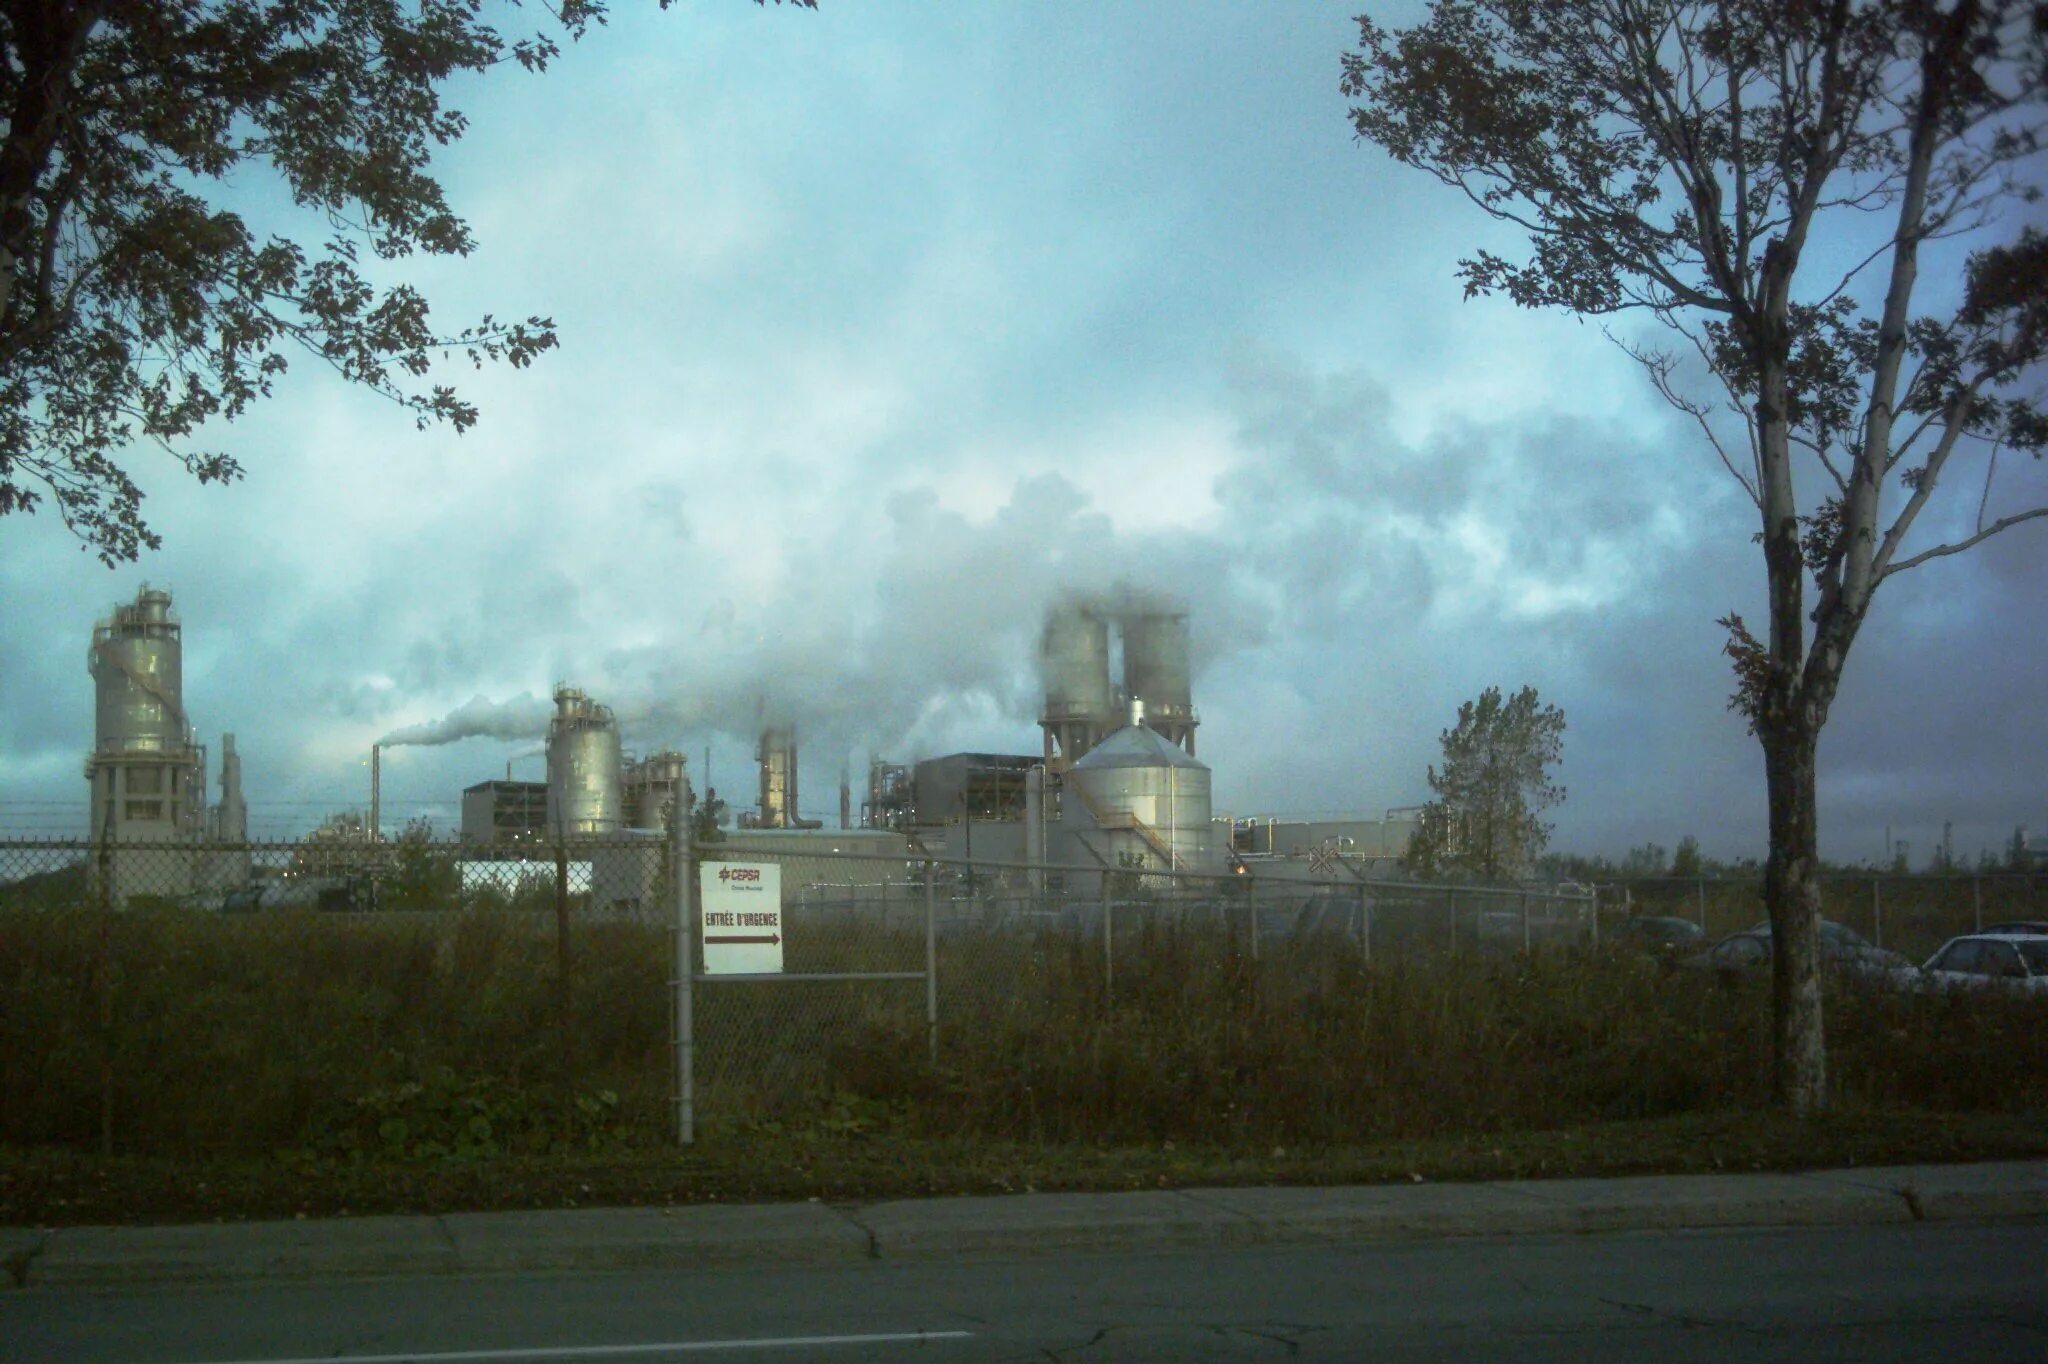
(1114, 783)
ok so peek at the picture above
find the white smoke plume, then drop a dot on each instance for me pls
(522, 717)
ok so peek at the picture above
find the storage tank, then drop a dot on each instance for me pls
(1156, 671)
(584, 766)
(651, 787)
(137, 665)
(1150, 795)
(1073, 660)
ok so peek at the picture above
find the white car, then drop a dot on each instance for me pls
(2008, 961)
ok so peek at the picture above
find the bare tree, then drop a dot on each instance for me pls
(1762, 176)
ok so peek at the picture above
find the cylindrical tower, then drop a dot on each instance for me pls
(147, 777)
(1151, 797)
(584, 787)
(1073, 658)
(652, 785)
(137, 664)
(1157, 672)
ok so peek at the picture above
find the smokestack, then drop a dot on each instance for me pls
(376, 793)
(231, 823)
(845, 797)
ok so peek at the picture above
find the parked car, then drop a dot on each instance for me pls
(2030, 927)
(1841, 949)
(2005, 961)
(1651, 933)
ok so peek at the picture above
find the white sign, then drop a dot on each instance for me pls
(742, 917)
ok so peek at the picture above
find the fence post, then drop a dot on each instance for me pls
(1977, 903)
(1108, 950)
(106, 903)
(931, 966)
(562, 970)
(931, 974)
(1364, 924)
(1877, 911)
(1254, 921)
(685, 866)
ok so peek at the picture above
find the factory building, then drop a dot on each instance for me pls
(504, 812)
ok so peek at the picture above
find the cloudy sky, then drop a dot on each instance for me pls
(882, 326)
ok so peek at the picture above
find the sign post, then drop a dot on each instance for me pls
(682, 859)
(741, 917)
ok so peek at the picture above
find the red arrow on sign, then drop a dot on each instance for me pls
(770, 938)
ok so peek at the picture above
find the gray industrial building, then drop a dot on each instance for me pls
(504, 811)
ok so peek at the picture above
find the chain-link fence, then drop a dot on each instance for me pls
(328, 996)
(1909, 914)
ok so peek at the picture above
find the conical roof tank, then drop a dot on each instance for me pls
(1137, 774)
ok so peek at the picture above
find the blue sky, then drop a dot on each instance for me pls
(884, 325)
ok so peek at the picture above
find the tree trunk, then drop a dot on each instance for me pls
(1792, 895)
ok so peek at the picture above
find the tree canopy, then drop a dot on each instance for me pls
(136, 304)
(1492, 789)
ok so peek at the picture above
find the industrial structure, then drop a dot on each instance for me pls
(651, 787)
(1083, 706)
(146, 771)
(504, 812)
(586, 776)
(1115, 787)
(778, 809)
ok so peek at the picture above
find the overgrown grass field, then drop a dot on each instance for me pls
(439, 1038)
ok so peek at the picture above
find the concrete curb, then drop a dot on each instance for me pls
(713, 1236)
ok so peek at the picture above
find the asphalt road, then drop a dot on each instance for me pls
(1952, 1292)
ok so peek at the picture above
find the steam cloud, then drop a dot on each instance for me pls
(523, 717)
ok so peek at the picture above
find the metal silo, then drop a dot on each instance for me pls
(1073, 658)
(584, 766)
(1157, 672)
(652, 785)
(137, 666)
(1150, 796)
